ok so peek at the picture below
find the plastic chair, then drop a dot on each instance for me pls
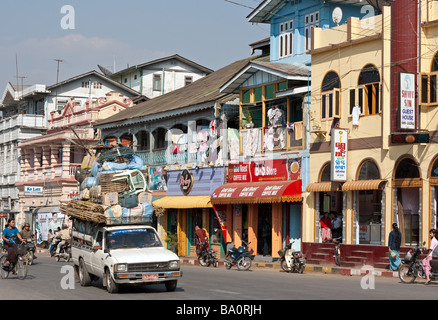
(135, 179)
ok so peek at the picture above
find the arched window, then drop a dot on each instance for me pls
(434, 168)
(330, 96)
(368, 171)
(367, 94)
(325, 173)
(143, 141)
(434, 66)
(407, 169)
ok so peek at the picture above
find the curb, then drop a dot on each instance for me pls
(309, 268)
(314, 268)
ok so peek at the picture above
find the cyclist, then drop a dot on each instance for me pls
(9, 236)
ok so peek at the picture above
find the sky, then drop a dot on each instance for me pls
(85, 33)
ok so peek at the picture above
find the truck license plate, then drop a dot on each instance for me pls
(149, 277)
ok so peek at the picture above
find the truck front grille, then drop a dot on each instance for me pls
(148, 267)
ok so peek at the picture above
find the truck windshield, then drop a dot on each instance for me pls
(132, 238)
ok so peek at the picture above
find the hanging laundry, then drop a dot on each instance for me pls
(275, 116)
(356, 112)
(251, 143)
(268, 141)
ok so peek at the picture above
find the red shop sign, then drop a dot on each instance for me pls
(269, 170)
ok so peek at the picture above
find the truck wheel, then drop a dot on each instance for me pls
(84, 276)
(111, 286)
(171, 285)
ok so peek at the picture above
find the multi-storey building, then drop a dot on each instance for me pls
(374, 82)
(22, 117)
(273, 146)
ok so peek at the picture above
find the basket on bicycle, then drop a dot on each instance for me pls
(21, 249)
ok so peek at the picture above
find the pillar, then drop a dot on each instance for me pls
(182, 224)
(229, 223)
(277, 227)
(237, 225)
(253, 211)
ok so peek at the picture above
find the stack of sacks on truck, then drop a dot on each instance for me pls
(116, 182)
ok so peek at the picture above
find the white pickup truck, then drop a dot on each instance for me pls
(124, 254)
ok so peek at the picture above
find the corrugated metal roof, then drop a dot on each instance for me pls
(198, 93)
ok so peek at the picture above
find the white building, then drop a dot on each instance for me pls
(157, 77)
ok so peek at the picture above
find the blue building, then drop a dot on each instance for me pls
(272, 147)
(291, 23)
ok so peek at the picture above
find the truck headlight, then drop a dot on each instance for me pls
(122, 267)
(174, 264)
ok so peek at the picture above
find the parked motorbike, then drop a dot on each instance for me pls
(411, 267)
(207, 256)
(241, 257)
(292, 261)
(64, 253)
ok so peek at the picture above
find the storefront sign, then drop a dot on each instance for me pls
(157, 179)
(33, 190)
(339, 154)
(205, 181)
(407, 101)
(240, 172)
(270, 170)
(186, 182)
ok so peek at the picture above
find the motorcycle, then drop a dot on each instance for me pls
(411, 267)
(30, 253)
(207, 257)
(241, 257)
(64, 253)
(292, 261)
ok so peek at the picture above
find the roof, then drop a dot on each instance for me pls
(174, 57)
(99, 75)
(203, 92)
(283, 70)
(269, 8)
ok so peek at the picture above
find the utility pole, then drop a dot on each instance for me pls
(57, 80)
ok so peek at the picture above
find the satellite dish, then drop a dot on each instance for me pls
(337, 15)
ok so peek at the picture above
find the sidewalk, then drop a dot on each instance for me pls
(309, 268)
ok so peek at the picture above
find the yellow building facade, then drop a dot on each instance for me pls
(389, 171)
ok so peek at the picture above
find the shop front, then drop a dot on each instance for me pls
(259, 209)
(187, 204)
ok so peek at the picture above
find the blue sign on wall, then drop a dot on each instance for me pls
(205, 181)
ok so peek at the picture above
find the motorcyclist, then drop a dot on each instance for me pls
(202, 238)
(27, 234)
(65, 237)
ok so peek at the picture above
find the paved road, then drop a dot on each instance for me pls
(45, 280)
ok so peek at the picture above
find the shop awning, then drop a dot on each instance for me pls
(258, 192)
(184, 202)
(324, 187)
(363, 185)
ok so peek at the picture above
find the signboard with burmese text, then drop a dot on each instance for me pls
(339, 160)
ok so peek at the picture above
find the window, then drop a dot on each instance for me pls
(157, 82)
(188, 80)
(428, 88)
(286, 39)
(310, 21)
(85, 84)
(97, 85)
(367, 94)
(331, 96)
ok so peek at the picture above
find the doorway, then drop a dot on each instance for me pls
(264, 234)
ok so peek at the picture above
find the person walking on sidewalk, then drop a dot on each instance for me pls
(394, 243)
(426, 261)
(326, 226)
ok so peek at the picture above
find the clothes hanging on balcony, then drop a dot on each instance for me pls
(356, 112)
(252, 142)
(268, 141)
(233, 143)
(275, 116)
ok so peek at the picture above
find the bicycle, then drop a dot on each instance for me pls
(20, 267)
